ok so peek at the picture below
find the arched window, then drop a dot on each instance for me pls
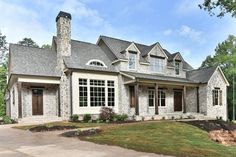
(96, 63)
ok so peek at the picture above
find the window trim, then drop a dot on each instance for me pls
(96, 60)
(159, 99)
(179, 62)
(219, 97)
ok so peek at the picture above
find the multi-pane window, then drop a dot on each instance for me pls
(97, 93)
(111, 93)
(177, 67)
(217, 96)
(161, 97)
(132, 60)
(157, 64)
(83, 93)
(151, 97)
(96, 63)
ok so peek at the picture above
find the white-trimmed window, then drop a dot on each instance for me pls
(217, 96)
(83, 93)
(111, 93)
(96, 93)
(132, 60)
(161, 97)
(177, 67)
(157, 64)
(97, 63)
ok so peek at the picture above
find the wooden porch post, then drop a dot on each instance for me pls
(184, 99)
(19, 86)
(198, 107)
(156, 99)
(136, 95)
(59, 101)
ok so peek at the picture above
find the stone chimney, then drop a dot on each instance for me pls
(63, 21)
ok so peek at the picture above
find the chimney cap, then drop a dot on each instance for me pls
(63, 14)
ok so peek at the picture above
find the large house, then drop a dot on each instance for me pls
(77, 77)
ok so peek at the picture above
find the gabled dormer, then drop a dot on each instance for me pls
(157, 58)
(132, 53)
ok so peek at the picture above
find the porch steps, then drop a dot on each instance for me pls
(39, 119)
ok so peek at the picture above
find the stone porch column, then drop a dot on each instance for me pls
(156, 99)
(136, 95)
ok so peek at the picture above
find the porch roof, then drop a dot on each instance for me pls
(156, 77)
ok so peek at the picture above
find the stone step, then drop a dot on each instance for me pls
(39, 119)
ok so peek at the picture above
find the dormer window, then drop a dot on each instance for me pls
(96, 63)
(177, 67)
(132, 60)
(157, 64)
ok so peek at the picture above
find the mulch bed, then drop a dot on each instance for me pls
(219, 131)
(44, 128)
(89, 132)
(210, 125)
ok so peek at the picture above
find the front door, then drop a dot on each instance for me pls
(177, 100)
(37, 101)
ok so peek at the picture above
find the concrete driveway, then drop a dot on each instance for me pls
(19, 143)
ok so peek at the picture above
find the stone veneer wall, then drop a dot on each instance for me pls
(14, 107)
(50, 101)
(203, 99)
(217, 111)
(191, 99)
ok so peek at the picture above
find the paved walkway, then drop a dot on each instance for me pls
(20, 143)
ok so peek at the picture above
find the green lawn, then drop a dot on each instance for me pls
(165, 137)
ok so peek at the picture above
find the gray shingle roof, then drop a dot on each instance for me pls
(118, 46)
(158, 77)
(201, 75)
(83, 52)
(32, 61)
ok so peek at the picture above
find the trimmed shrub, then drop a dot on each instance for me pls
(87, 118)
(7, 120)
(120, 117)
(106, 114)
(74, 118)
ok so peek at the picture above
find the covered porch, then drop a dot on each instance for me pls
(38, 99)
(162, 97)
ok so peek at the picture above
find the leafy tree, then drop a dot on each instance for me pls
(28, 42)
(225, 57)
(3, 70)
(219, 7)
(46, 46)
(3, 49)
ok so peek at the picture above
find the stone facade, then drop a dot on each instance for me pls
(63, 50)
(217, 111)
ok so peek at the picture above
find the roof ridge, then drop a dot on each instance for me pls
(203, 68)
(15, 44)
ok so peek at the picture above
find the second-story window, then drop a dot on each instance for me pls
(177, 67)
(157, 64)
(132, 60)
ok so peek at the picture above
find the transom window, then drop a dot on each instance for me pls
(161, 97)
(96, 93)
(97, 63)
(177, 67)
(157, 64)
(217, 96)
(132, 60)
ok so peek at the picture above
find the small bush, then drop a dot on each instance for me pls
(120, 117)
(74, 118)
(7, 120)
(87, 118)
(106, 114)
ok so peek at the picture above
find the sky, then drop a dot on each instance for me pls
(179, 26)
